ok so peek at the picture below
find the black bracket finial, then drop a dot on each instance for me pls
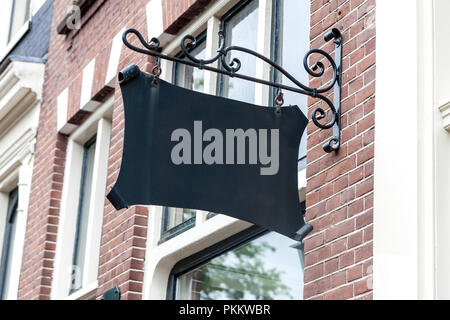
(232, 68)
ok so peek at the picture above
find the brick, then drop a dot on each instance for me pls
(364, 252)
(354, 273)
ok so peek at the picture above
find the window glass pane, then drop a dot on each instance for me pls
(292, 25)
(269, 267)
(190, 77)
(8, 244)
(176, 221)
(83, 215)
(241, 30)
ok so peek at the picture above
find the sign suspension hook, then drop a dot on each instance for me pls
(156, 71)
(279, 100)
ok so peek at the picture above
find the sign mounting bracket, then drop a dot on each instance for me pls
(232, 66)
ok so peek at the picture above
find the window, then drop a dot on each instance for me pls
(290, 44)
(14, 22)
(8, 243)
(265, 266)
(239, 26)
(79, 250)
(20, 13)
(176, 221)
(82, 206)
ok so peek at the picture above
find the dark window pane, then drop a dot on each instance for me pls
(269, 267)
(8, 243)
(291, 43)
(83, 215)
(241, 29)
(176, 221)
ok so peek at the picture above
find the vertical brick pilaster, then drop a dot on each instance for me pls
(339, 252)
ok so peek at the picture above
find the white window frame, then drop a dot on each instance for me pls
(99, 124)
(20, 177)
(160, 259)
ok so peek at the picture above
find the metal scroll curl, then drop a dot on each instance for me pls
(231, 66)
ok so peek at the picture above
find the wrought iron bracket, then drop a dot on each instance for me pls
(230, 67)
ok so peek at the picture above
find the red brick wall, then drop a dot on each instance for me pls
(177, 14)
(339, 252)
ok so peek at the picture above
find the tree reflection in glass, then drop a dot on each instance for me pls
(266, 268)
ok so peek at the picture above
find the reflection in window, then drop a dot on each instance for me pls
(176, 221)
(240, 29)
(291, 41)
(269, 267)
(190, 77)
(8, 243)
(83, 215)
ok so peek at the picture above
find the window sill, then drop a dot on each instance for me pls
(177, 230)
(86, 293)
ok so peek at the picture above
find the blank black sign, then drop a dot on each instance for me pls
(234, 184)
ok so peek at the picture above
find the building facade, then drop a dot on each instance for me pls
(379, 221)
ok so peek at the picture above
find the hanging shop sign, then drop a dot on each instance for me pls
(186, 149)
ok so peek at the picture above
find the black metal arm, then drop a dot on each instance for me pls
(232, 68)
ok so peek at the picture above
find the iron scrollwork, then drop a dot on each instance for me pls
(230, 67)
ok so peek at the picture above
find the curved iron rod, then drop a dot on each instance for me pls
(188, 43)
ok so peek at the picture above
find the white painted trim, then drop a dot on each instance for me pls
(97, 202)
(426, 152)
(212, 45)
(404, 209)
(161, 259)
(24, 186)
(98, 123)
(17, 140)
(444, 108)
(62, 105)
(16, 171)
(442, 147)
(3, 208)
(86, 103)
(84, 293)
(20, 87)
(154, 14)
(67, 222)
(114, 59)
(264, 42)
(16, 151)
